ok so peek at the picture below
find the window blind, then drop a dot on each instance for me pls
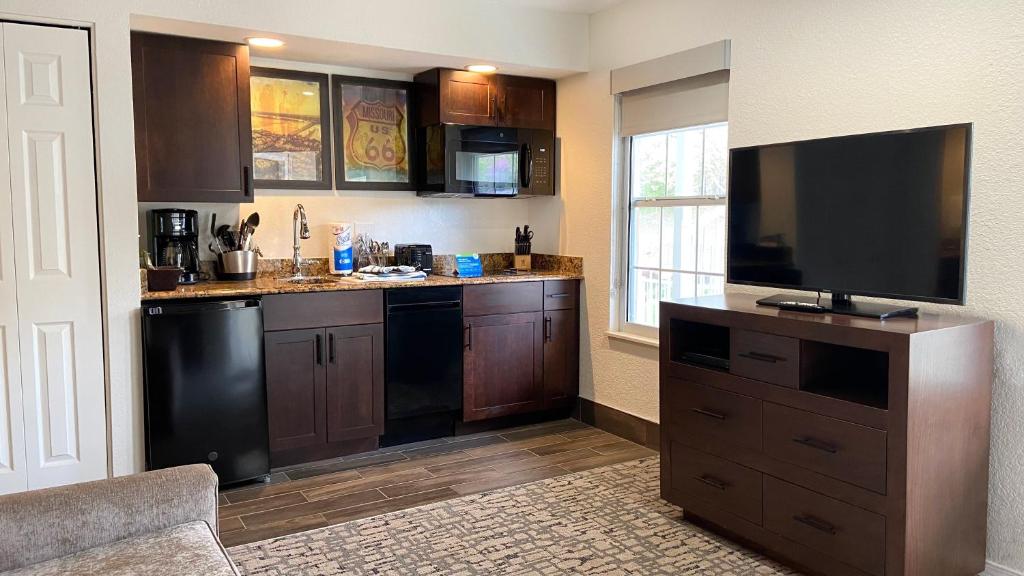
(688, 88)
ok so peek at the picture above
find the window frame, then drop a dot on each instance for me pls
(623, 242)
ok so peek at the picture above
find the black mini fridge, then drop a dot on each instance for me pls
(205, 388)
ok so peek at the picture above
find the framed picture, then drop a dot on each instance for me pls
(291, 140)
(372, 132)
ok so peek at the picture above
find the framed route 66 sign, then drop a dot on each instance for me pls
(371, 130)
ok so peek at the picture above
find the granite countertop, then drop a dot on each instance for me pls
(264, 285)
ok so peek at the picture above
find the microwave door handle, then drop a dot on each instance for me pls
(526, 165)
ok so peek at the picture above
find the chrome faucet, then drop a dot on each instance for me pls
(300, 230)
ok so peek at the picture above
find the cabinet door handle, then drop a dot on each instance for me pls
(247, 184)
(816, 523)
(708, 413)
(330, 348)
(559, 295)
(319, 351)
(547, 329)
(469, 336)
(712, 481)
(816, 444)
(761, 357)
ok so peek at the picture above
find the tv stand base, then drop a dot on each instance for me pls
(841, 303)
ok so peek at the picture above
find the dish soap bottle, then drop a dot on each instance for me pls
(341, 248)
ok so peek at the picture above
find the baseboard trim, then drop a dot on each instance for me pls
(619, 423)
(993, 569)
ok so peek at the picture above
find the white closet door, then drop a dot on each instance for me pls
(56, 253)
(12, 438)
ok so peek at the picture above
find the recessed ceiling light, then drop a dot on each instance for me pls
(482, 68)
(263, 42)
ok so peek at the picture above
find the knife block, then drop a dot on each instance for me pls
(522, 262)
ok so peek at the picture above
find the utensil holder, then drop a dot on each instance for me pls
(237, 265)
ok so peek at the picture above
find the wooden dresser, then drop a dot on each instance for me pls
(842, 445)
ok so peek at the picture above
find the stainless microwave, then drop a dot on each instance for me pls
(485, 161)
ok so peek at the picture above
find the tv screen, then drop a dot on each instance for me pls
(874, 214)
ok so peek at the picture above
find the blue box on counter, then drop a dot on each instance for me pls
(468, 265)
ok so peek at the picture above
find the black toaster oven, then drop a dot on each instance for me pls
(418, 255)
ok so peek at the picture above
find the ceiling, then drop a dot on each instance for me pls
(573, 6)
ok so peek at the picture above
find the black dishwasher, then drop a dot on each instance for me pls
(205, 390)
(423, 371)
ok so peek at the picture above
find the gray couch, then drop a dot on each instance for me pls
(155, 523)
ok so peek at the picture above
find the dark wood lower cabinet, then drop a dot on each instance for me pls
(503, 365)
(355, 382)
(325, 391)
(561, 357)
(296, 389)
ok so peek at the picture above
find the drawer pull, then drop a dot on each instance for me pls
(712, 481)
(559, 295)
(816, 523)
(708, 413)
(816, 444)
(761, 357)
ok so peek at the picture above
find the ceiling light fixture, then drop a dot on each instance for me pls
(262, 42)
(308, 93)
(482, 68)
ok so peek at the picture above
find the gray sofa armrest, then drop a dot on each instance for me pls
(53, 523)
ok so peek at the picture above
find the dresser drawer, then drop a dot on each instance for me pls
(849, 452)
(849, 534)
(712, 419)
(560, 294)
(765, 357)
(723, 484)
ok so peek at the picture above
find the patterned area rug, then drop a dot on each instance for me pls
(608, 521)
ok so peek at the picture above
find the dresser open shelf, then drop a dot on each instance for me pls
(843, 445)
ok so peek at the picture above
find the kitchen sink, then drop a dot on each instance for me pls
(312, 280)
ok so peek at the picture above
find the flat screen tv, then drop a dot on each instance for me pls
(881, 214)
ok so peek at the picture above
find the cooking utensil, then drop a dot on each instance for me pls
(227, 239)
(246, 231)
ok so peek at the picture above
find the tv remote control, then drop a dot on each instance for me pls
(794, 306)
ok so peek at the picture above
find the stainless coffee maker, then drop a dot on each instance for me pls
(175, 241)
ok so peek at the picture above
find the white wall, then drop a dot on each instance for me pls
(812, 68)
(471, 29)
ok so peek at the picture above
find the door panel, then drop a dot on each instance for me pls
(296, 389)
(49, 131)
(355, 382)
(467, 98)
(503, 365)
(561, 357)
(12, 440)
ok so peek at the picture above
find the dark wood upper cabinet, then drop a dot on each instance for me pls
(296, 389)
(355, 382)
(526, 102)
(459, 97)
(502, 365)
(193, 136)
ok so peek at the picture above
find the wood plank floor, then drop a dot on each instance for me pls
(402, 477)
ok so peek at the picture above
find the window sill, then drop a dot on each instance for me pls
(634, 338)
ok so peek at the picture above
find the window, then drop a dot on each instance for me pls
(676, 219)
